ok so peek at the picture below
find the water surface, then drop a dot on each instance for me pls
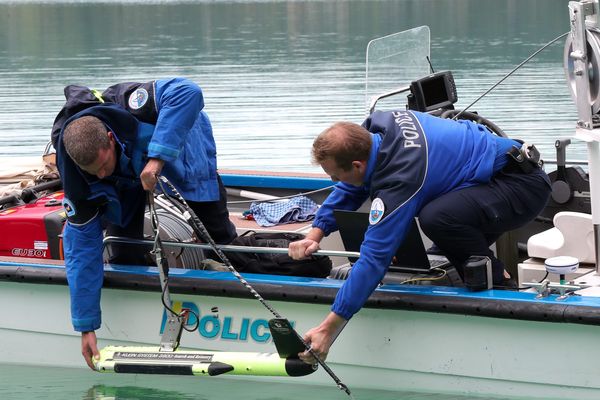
(22, 382)
(276, 73)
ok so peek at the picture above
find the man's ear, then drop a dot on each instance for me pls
(111, 136)
(361, 166)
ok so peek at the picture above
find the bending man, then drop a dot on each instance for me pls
(455, 176)
(110, 149)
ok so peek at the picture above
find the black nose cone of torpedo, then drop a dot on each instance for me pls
(296, 367)
(218, 368)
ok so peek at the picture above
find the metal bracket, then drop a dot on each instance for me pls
(174, 326)
(545, 288)
(540, 287)
(382, 96)
(172, 333)
(577, 13)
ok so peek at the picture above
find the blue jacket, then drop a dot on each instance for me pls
(414, 159)
(160, 119)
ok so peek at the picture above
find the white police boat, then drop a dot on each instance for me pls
(412, 335)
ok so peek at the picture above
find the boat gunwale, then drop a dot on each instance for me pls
(438, 299)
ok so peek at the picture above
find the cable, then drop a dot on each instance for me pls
(435, 278)
(510, 73)
(198, 227)
(160, 263)
(183, 313)
(529, 287)
(519, 287)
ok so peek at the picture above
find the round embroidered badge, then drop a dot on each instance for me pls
(138, 98)
(68, 206)
(377, 210)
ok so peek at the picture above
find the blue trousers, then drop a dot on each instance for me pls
(466, 222)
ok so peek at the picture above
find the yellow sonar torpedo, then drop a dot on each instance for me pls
(150, 360)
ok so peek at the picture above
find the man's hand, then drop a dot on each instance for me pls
(89, 348)
(321, 338)
(302, 248)
(305, 247)
(150, 173)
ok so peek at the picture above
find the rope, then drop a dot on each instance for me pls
(200, 229)
(510, 73)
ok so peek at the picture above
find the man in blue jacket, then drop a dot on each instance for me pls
(455, 176)
(110, 149)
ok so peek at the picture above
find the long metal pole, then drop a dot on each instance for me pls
(232, 248)
(594, 172)
(578, 12)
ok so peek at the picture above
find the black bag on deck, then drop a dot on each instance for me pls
(276, 264)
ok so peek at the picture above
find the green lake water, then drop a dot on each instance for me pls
(276, 73)
(31, 383)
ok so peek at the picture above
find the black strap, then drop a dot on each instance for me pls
(524, 160)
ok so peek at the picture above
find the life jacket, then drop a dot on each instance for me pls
(135, 97)
(125, 108)
(82, 190)
(402, 162)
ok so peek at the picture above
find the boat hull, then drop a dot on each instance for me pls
(390, 349)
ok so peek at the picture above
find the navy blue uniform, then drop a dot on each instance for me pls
(449, 173)
(161, 119)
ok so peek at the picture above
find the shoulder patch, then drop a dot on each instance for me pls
(137, 99)
(377, 211)
(69, 207)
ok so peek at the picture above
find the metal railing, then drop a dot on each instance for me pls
(228, 247)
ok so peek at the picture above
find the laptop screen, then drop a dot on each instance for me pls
(410, 255)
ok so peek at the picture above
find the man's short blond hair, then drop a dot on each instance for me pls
(342, 142)
(83, 138)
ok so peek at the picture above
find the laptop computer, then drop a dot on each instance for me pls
(411, 256)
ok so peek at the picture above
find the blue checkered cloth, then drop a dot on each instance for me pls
(296, 209)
